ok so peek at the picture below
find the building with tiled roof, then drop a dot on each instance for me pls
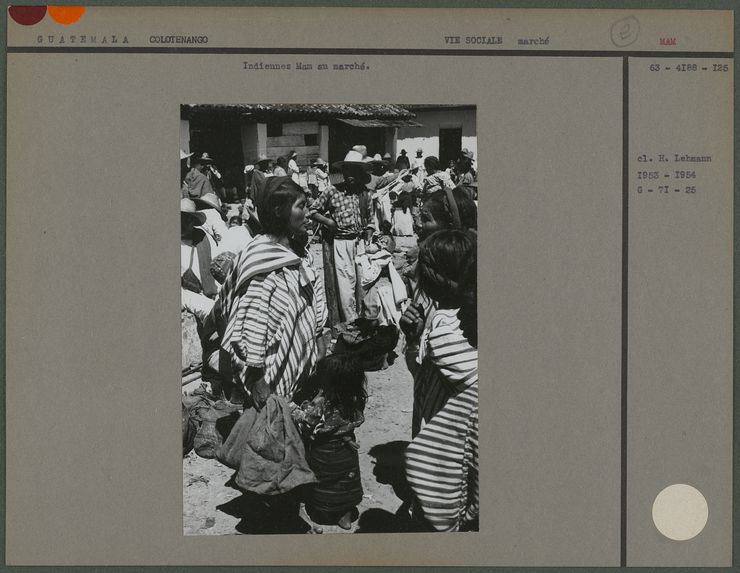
(236, 134)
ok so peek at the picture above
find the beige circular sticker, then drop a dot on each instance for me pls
(680, 512)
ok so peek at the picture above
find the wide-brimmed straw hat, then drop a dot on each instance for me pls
(355, 156)
(184, 155)
(205, 158)
(377, 159)
(467, 153)
(208, 201)
(261, 158)
(318, 161)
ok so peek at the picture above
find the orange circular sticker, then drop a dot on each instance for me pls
(66, 14)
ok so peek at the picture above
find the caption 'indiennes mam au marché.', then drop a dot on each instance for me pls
(362, 66)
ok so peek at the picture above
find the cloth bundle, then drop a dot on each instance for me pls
(267, 450)
(369, 344)
(372, 264)
(207, 416)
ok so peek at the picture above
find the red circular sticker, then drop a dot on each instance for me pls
(27, 15)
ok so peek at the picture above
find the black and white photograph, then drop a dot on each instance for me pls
(329, 318)
(544, 369)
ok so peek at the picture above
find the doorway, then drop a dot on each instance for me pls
(220, 137)
(343, 137)
(450, 145)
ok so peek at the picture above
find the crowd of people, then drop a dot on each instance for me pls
(268, 321)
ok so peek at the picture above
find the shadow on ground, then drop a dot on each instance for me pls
(389, 469)
(265, 515)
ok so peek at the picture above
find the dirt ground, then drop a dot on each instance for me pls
(211, 506)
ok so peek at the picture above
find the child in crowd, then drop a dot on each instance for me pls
(333, 404)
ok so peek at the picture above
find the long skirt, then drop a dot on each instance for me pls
(337, 467)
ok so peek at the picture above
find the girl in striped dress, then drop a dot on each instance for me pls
(442, 459)
(272, 303)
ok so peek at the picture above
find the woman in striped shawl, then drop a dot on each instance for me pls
(272, 304)
(442, 459)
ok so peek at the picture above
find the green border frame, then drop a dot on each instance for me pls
(561, 4)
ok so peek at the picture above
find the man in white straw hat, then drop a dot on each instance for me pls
(418, 163)
(322, 175)
(293, 169)
(467, 176)
(210, 206)
(338, 210)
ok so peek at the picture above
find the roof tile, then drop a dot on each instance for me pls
(376, 111)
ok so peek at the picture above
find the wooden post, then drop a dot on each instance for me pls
(185, 135)
(391, 142)
(324, 142)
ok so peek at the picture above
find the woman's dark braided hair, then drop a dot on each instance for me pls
(447, 273)
(468, 313)
(438, 205)
(275, 208)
